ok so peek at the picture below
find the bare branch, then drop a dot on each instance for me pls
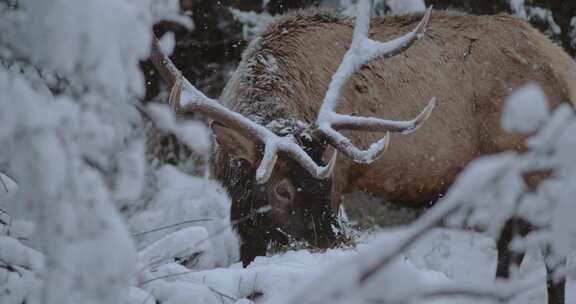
(362, 51)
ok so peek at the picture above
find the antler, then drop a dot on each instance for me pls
(362, 51)
(184, 97)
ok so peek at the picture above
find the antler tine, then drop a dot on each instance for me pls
(362, 51)
(372, 124)
(184, 97)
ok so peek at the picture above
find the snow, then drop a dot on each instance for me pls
(525, 110)
(139, 296)
(533, 266)
(268, 279)
(73, 149)
(450, 251)
(252, 23)
(573, 30)
(189, 246)
(406, 6)
(527, 12)
(72, 161)
(186, 201)
(193, 134)
(12, 252)
(168, 43)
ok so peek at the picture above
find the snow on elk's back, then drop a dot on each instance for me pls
(70, 78)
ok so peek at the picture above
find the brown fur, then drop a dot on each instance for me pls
(469, 63)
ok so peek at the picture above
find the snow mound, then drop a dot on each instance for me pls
(187, 201)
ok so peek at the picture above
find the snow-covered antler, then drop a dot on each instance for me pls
(362, 51)
(184, 97)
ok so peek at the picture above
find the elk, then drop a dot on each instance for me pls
(315, 82)
(272, 151)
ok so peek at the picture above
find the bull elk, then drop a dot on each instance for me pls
(313, 83)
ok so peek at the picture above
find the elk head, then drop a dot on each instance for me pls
(287, 171)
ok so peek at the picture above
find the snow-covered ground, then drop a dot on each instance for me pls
(191, 259)
(444, 256)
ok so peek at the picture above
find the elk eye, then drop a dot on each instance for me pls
(283, 192)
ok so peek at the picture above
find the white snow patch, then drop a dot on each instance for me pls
(185, 201)
(450, 251)
(168, 43)
(192, 133)
(253, 24)
(406, 6)
(525, 110)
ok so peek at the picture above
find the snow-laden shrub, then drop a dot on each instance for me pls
(489, 192)
(530, 12)
(502, 187)
(70, 77)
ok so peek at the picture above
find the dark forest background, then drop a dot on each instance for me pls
(209, 52)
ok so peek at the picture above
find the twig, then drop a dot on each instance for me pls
(167, 276)
(147, 298)
(3, 183)
(172, 275)
(10, 267)
(171, 226)
(222, 294)
(3, 222)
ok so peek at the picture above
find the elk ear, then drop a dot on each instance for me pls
(234, 143)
